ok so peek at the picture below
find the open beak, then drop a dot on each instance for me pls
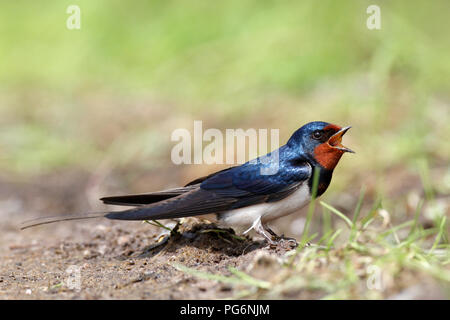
(335, 140)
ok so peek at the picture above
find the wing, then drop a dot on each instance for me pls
(234, 188)
(146, 198)
(193, 203)
(153, 197)
(248, 182)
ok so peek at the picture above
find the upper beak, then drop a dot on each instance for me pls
(336, 139)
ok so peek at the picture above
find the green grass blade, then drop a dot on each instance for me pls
(372, 213)
(312, 205)
(332, 238)
(416, 217)
(356, 214)
(158, 224)
(440, 233)
(207, 275)
(249, 279)
(338, 213)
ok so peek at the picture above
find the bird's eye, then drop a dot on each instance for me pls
(317, 134)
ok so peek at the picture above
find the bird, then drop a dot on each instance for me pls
(244, 197)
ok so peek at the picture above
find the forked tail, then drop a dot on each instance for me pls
(47, 220)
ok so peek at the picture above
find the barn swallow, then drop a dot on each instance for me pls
(243, 197)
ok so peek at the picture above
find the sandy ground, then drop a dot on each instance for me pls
(119, 260)
(103, 259)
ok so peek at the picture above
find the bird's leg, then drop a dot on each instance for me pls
(261, 230)
(271, 231)
(281, 238)
(271, 236)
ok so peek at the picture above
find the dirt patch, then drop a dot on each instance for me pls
(110, 259)
(104, 259)
(116, 260)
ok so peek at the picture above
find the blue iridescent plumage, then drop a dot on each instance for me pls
(255, 192)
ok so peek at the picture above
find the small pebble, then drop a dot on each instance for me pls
(101, 227)
(123, 240)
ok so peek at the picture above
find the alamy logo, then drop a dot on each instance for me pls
(374, 278)
(374, 20)
(220, 150)
(73, 280)
(74, 20)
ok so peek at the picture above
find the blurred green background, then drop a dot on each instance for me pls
(110, 94)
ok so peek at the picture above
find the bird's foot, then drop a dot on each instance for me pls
(284, 242)
(273, 239)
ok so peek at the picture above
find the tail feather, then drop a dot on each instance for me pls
(46, 220)
(193, 203)
(189, 203)
(147, 198)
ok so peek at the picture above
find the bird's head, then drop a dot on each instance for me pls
(321, 141)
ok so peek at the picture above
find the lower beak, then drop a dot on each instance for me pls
(335, 140)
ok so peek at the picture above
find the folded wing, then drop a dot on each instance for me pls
(229, 189)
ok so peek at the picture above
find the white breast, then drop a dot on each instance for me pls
(245, 217)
